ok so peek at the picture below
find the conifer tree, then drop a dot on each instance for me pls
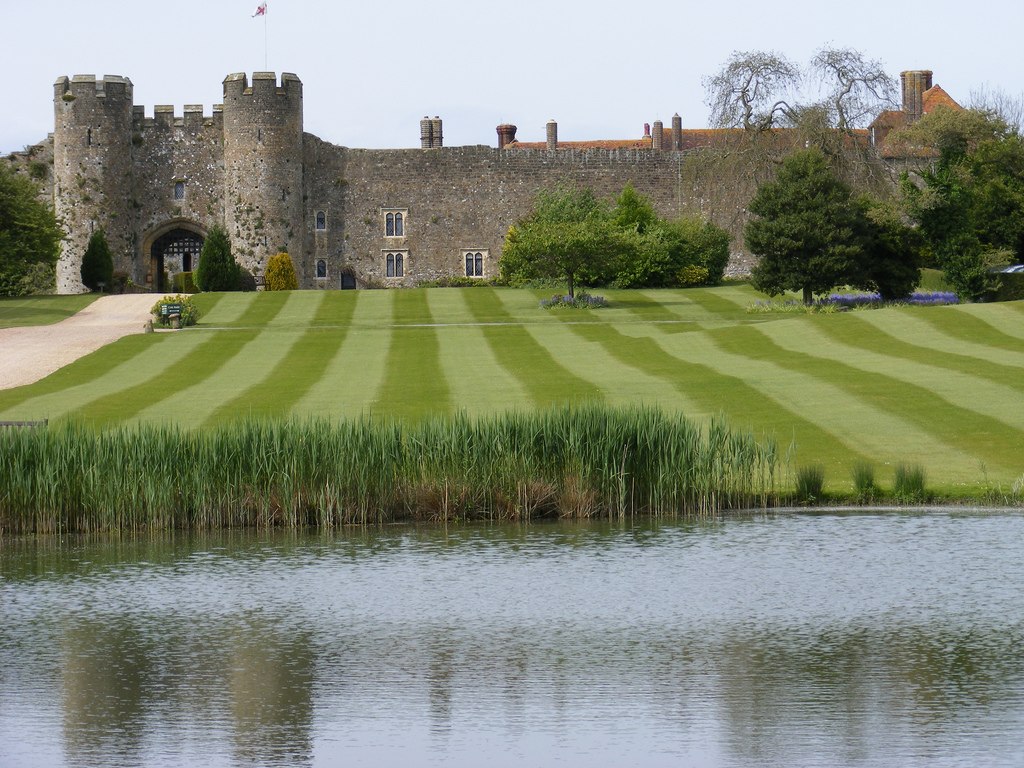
(217, 270)
(281, 273)
(97, 263)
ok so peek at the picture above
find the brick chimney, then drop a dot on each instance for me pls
(552, 134)
(506, 135)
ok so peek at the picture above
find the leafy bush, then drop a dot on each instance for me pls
(281, 273)
(579, 301)
(810, 481)
(39, 279)
(1010, 287)
(456, 281)
(691, 274)
(908, 485)
(217, 269)
(189, 312)
(183, 283)
(97, 263)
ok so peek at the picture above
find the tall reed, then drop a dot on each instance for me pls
(572, 461)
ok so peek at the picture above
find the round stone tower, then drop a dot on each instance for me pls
(263, 167)
(92, 167)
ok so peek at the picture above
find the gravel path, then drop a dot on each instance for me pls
(32, 353)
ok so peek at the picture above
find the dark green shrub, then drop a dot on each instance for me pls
(246, 281)
(183, 283)
(810, 481)
(1010, 287)
(39, 279)
(97, 263)
(189, 314)
(217, 270)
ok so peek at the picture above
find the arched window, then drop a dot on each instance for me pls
(179, 190)
(395, 265)
(321, 268)
(394, 222)
(321, 220)
(474, 264)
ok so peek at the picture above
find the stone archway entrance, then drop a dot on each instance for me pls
(173, 251)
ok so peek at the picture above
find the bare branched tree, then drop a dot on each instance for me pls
(855, 89)
(996, 102)
(752, 91)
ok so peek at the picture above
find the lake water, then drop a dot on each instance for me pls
(789, 640)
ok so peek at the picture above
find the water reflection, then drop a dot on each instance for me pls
(740, 643)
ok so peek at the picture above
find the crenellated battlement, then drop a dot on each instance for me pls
(191, 118)
(264, 84)
(89, 86)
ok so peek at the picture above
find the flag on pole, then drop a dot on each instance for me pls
(261, 10)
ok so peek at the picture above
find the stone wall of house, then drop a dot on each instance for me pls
(459, 199)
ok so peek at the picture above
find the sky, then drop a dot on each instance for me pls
(371, 71)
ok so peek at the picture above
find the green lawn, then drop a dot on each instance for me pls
(41, 310)
(939, 386)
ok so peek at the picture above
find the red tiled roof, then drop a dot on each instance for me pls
(937, 97)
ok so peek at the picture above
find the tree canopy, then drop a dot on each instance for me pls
(968, 204)
(573, 236)
(804, 230)
(281, 273)
(29, 233)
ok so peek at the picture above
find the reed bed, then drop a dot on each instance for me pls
(573, 462)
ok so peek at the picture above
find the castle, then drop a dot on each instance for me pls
(348, 217)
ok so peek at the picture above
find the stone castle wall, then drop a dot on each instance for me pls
(249, 167)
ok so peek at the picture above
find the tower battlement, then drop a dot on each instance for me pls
(89, 86)
(164, 117)
(264, 84)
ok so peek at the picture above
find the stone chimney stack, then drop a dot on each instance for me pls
(552, 135)
(426, 133)
(436, 138)
(677, 131)
(658, 137)
(506, 135)
(915, 83)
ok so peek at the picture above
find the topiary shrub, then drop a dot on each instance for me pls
(217, 270)
(280, 274)
(189, 315)
(183, 283)
(97, 263)
(691, 275)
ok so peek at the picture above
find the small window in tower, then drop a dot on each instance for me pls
(88, 137)
(389, 225)
(179, 190)
(321, 269)
(399, 229)
(321, 220)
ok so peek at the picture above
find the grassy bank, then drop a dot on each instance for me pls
(569, 462)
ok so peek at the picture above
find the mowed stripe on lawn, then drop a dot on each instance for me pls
(302, 366)
(413, 375)
(473, 372)
(851, 427)
(352, 376)
(925, 416)
(208, 380)
(523, 357)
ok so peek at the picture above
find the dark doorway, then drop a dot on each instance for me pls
(348, 280)
(173, 252)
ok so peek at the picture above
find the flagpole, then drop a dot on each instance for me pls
(266, 67)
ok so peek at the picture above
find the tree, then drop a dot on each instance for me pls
(752, 91)
(97, 263)
(891, 259)
(217, 269)
(568, 235)
(29, 232)
(804, 230)
(281, 273)
(968, 204)
(856, 88)
(633, 211)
